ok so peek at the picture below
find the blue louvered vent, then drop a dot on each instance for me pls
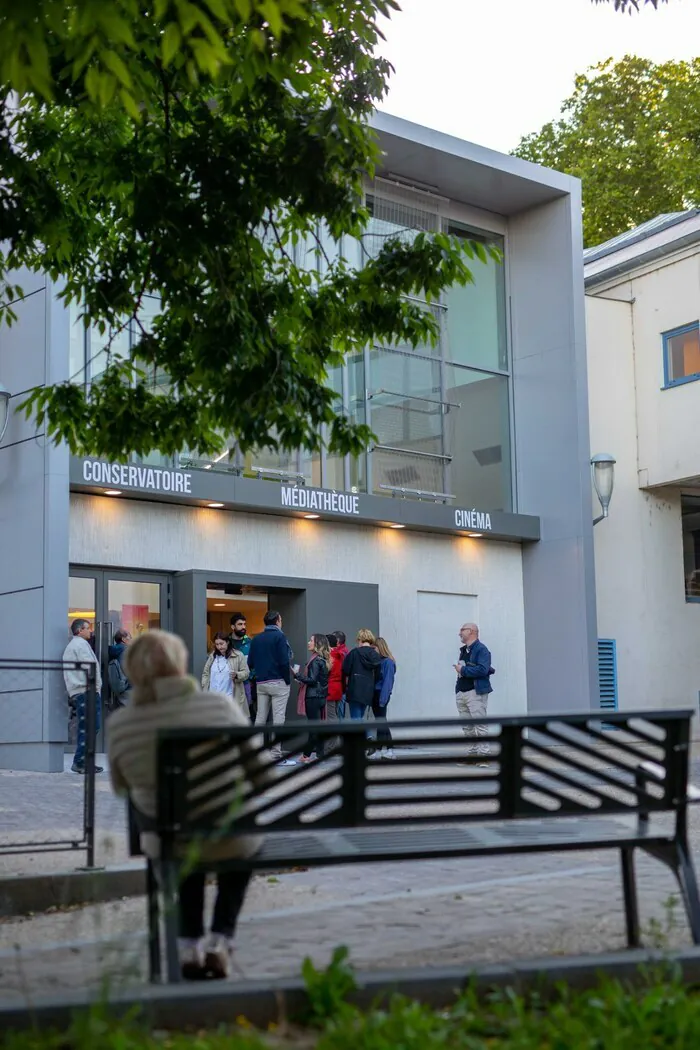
(607, 675)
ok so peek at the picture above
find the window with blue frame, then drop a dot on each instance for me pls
(682, 354)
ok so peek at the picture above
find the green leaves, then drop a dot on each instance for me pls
(196, 154)
(630, 131)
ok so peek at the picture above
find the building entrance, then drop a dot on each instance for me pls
(112, 600)
(225, 599)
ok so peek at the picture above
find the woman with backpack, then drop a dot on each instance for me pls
(382, 695)
(225, 672)
(314, 692)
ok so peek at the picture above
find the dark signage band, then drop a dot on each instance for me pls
(201, 487)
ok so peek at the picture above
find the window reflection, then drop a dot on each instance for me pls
(478, 438)
(476, 313)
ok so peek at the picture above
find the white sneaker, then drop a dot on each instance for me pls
(374, 756)
(217, 957)
(388, 752)
(191, 959)
(288, 762)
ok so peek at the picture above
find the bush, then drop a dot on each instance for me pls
(659, 1012)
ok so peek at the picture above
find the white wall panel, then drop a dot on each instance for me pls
(140, 535)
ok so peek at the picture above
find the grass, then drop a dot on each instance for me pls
(659, 1011)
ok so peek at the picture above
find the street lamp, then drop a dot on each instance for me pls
(4, 410)
(603, 469)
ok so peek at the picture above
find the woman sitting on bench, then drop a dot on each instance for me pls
(165, 697)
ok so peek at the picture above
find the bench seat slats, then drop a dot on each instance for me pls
(382, 844)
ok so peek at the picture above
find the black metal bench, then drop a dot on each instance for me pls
(549, 787)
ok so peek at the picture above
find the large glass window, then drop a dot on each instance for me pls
(477, 431)
(440, 414)
(476, 313)
(406, 414)
(690, 517)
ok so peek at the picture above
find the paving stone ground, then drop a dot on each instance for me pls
(389, 915)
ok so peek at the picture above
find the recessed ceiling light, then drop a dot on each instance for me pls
(310, 517)
(113, 492)
(475, 535)
(217, 505)
(395, 525)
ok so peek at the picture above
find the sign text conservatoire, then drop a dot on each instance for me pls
(129, 476)
(320, 500)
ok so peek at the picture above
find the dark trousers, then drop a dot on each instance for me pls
(314, 709)
(80, 702)
(232, 886)
(383, 734)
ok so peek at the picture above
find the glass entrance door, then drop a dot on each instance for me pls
(112, 601)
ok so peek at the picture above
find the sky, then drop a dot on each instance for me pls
(493, 70)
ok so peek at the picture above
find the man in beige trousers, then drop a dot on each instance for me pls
(472, 688)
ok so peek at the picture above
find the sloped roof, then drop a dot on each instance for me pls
(639, 233)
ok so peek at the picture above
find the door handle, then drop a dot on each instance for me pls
(110, 635)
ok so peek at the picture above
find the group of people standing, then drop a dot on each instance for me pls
(162, 696)
(257, 674)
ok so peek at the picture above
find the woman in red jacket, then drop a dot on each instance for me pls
(335, 701)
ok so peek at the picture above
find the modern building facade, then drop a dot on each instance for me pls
(474, 502)
(642, 310)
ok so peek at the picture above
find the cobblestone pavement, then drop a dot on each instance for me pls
(389, 915)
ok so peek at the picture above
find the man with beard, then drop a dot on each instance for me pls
(240, 640)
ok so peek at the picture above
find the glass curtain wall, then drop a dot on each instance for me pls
(440, 414)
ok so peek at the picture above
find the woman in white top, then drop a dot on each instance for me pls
(225, 671)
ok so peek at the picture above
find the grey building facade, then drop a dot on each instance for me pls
(474, 502)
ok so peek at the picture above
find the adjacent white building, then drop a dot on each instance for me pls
(643, 338)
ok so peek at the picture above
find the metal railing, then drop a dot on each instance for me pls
(45, 679)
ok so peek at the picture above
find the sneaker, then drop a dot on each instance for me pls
(81, 769)
(287, 762)
(217, 957)
(305, 759)
(191, 959)
(374, 756)
(388, 753)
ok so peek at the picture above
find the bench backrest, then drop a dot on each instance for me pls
(541, 767)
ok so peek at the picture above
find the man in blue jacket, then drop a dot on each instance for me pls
(473, 686)
(269, 659)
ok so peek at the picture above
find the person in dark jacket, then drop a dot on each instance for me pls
(241, 641)
(360, 670)
(314, 691)
(382, 695)
(473, 686)
(269, 660)
(119, 684)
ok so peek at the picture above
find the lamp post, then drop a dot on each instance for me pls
(4, 410)
(603, 470)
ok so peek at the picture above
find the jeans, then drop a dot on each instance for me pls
(80, 702)
(231, 889)
(357, 711)
(383, 734)
(314, 709)
(273, 694)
